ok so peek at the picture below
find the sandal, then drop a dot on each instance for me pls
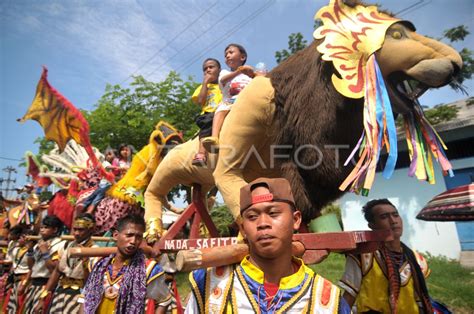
(199, 160)
(211, 144)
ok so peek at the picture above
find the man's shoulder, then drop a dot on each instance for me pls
(327, 295)
(326, 284)
(93, 262)
(153, 270)
(219, 272)
(423, 263)
(198, 88)
(58, 243)
(200, 278)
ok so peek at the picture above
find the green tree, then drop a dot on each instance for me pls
(222, 218)
(441, 113)
(436, 115)
(296, 42)
(459, 33)
(129, 115)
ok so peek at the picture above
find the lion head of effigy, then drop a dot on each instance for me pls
(382, 59)
(354, 33)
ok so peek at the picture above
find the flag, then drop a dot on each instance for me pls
(61, 121)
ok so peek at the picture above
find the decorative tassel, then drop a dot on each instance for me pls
(422, 139)
(379, 132)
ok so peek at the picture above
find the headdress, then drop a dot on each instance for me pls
(83, 222)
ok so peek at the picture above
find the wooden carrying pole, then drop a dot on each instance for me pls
(312, 247)
(103, 251)
(71, 237)
(188, 260)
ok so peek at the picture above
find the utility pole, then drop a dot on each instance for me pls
(8, 180)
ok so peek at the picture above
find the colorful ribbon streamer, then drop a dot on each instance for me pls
(380, 132)
(422, 139)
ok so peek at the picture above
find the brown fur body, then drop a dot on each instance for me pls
(309, 111)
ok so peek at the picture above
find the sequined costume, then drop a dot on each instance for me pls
(240, 289)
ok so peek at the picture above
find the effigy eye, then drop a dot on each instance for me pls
(397, 35)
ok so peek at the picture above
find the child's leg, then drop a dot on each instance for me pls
(218, 121)
(200, 158)
(201, 149)
(211, 144)
(204, 122)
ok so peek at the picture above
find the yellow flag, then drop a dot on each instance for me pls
(61, 121)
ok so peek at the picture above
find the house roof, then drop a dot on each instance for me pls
(460, 127)
(465, 116)
(457, 134)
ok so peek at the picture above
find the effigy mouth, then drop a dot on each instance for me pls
(404, 91)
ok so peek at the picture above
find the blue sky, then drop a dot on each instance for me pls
(87, 44)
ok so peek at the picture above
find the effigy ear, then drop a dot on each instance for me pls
(350, 35)
(350, 3)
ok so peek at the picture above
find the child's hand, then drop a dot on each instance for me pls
(247, 70)
(209, 78)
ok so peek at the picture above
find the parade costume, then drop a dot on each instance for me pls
(388, 282)
(240, 289)
(40, 273)
(20, 270)
(127, 292)
(27, 213)
(125, 197)
(74, 272)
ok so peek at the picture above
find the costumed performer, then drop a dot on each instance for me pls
(122, 282)
(71, 273)
(42, 260)
(269, 279)
(391, 279)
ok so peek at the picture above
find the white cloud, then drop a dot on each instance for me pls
(119, 37)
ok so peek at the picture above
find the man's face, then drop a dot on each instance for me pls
(269, 226)
(80, 233)
(47, 232)
(129, 239)
(386, 217)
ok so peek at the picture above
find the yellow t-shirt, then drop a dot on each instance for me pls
(107, 306)
(214, 97)
(366, 279)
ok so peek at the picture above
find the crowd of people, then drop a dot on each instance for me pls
(44, 278)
